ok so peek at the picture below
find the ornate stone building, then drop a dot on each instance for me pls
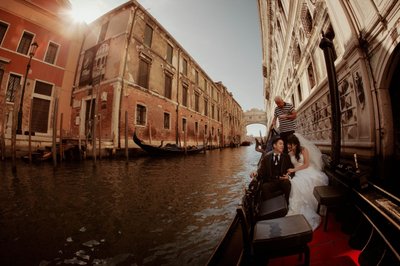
(133, 75)
(366, 45)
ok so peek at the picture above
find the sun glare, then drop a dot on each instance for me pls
(83, 13)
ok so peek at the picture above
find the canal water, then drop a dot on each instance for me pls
(148, 211)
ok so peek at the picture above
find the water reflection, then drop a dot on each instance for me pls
(149, 211)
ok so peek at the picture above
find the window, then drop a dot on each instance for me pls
(41, 107)
(306, 19)
(51, 53)
(205, 129)
(299, 93)
(297, 53)
(205, 85)
(184, 124)
(43, 88)
(168, 87)
(103, 31)
(14, 83)
(143, 79)
(148, 35)
(3, 30)
(197, 78)
(184, 67)
(140, 115)
(218, 117)
(166, 121)
(311, 75)
(281, 8)
(205, 107)
(197, 102)
(184, 95)
(212, 111)
(89, 117)
(25, 43)
(196, 127)
(170, 51)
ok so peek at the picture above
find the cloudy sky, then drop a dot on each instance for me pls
(222, 36)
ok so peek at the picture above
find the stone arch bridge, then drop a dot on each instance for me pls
(255, 116)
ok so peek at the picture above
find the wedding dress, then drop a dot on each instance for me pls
(301, 200)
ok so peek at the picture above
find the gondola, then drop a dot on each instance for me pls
(246, 143)
(38, 156)
(369, 213)
(168, 149)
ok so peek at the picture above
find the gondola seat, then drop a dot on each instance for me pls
(272, 208)
(277, 237)
(264, 209)
(328, 196)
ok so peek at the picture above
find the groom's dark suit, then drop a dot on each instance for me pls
(269, 172)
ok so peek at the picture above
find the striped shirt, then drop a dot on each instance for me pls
(285, 125)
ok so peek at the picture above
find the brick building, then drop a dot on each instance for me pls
(50, 75)
(132, 74)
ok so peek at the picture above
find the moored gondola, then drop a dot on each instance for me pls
(168, 149)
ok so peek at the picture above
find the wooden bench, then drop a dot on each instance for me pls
(267, 232)
(274, 207)
(329, 196)
(277, 237)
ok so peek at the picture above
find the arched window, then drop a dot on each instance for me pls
(306, 19)
(311, 77)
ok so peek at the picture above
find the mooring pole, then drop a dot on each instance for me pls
(326, 45)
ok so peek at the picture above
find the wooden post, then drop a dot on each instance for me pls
(79, 138)
(14, 129)
(99, 136)
(61, 138)
(54, 149)
(149, 132)
(94, 142)
(184, 141)
(89, 121)
(204, 140)
(30, 133)
(3, 137)
(126, 136)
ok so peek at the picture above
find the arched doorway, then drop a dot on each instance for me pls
(390, 150)
(394, 92)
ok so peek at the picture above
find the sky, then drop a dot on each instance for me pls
(222, 36)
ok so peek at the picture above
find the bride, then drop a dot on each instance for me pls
(307, 161)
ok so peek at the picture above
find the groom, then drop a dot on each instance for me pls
(272, 169)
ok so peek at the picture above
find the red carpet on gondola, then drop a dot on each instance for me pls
(328, 248)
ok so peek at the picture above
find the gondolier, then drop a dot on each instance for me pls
(286, 114)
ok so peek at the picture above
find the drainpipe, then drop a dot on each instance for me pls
(128, 42)
(177, 102)
(326, 45)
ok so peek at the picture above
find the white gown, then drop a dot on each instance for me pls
(302, 200)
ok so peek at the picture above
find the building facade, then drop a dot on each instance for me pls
(366, 58)
(42, 78)
(133, 75)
